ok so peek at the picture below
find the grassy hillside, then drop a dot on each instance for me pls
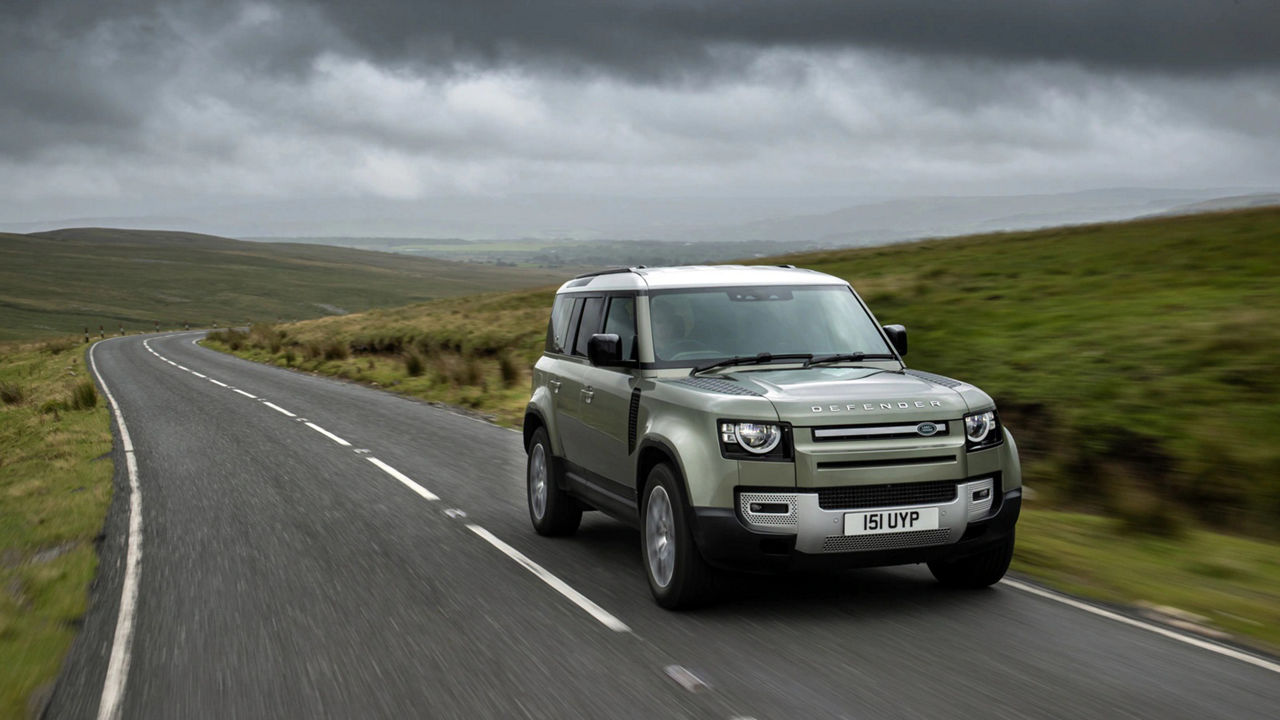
(60, 282)
(1136, 362)
(55, 485)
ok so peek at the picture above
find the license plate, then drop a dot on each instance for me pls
(890, 521)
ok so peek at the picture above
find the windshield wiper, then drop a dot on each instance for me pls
(845, 357)
(760, 359)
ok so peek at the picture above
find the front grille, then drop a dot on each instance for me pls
(875, 496)
(887, 541)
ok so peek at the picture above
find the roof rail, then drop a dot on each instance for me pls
(610, 271)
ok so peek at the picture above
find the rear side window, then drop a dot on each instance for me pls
(620, 320)
(558, 328)
(592, 315)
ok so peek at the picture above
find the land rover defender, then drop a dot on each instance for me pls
(760, 418)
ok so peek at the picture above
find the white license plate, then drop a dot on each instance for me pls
(890, 521)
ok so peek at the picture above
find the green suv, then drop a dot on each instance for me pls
(760, 418)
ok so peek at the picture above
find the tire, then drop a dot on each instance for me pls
(975, 571)
(678, 575)
(552, 511)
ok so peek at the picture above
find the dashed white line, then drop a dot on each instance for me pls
(560, 586)
(193, 372)
(1189, 640)
(110, 703)
(409, 483)
(184, 367)
(328, 434)
(278, 409)
(218, 382)
(251, 397)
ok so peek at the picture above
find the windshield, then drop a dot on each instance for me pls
(698, 326)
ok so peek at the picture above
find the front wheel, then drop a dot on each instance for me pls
(678, 576)
(551, 509)
(975, 571)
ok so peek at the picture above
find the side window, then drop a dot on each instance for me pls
(620, 320)
(592, 314)
(558, 328)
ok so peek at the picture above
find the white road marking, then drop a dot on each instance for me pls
(685, 678)
(409, 483)
(111, 702)
(217, 382)
(1180, 637)
(193, 372)
(278, 409)
(183, 367)
(560, 586)
(251, 397)
(326, 433)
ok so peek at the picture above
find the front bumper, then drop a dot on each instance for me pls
(817, 540)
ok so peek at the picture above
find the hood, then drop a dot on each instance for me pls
(858, 395)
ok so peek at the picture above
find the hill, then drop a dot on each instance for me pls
(62, 281)
(1136, 362)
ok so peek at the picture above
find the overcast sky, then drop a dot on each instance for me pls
(151, 105)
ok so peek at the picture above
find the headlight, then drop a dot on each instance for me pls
(761, 441)
(982, 430)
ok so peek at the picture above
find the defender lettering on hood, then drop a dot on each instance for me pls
(870, 407)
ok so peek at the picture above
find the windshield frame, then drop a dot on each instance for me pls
(889, 353)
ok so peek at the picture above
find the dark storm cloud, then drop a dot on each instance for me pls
(663, 38)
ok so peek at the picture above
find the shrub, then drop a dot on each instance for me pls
(510, 370)
(290, 357)
(414, 364)
(12, 393)
(84, 396)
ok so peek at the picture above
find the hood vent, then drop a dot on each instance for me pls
(715, 385)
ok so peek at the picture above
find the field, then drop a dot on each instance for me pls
(55, 485)
(63, 281)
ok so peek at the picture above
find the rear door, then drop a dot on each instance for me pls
(587, 319)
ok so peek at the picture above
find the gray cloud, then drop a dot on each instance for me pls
(158, 104)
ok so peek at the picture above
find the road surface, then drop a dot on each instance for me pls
(311, 548)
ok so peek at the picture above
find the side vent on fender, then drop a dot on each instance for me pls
(633, 417)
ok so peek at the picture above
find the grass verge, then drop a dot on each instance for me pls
(1232, 583)
(55, 486)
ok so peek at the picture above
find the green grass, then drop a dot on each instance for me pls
(61, 282)
(1232, 582)
(55, 485)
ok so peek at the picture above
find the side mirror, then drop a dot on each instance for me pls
(605, 350)
(898, 336)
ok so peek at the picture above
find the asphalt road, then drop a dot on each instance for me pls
(284, 574)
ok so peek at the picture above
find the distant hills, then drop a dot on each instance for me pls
(63, 281)
(785, 219)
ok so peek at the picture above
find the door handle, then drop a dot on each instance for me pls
(555, 385)
(587, 394)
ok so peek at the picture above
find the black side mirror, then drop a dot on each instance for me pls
(898, 336)
(605, 350)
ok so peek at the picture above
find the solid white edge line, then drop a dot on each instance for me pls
(218, 382)
(278, 409)
(111, 701)
(1180, 637)
(403, 478)
(328, 434)
(251, 397)
(560, 586)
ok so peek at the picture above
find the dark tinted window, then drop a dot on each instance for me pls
(620, 320)
(592, 314)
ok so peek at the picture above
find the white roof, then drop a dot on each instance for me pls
(697, 276)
